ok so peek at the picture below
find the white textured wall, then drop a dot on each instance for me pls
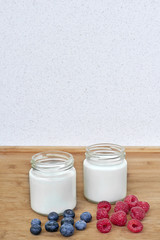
(79, 72)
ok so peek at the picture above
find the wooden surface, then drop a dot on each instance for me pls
(35, 149)
(16, 214)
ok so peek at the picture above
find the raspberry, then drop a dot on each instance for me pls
(102, 213)
(121, 206)
(135, 226)
(144, 205)
(137, 213)
(132, 201)
(104, 204)
(119, 218)
(104, 225)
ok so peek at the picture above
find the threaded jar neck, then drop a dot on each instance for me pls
(105, 154)
(53, 162)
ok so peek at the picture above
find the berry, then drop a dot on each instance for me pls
(137, 213)
(51, 226)
(121, 206)
(67, 229)
(67, 220)
(53, 216)
(69, 213)
(86, 216)
(104, 204)
(135, 226)
(36, 221)
(132, 201)
(80, 225)
(144, 205)
(104, 225)
(102, 213)
(119, 218)
(35, 229)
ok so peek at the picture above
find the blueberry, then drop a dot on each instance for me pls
(35, 229)
(80, 225)
(69, 213)
(67, 220)
(53, 216)
(36, 221)
(86, 216)
(51, 226)
(67, 229)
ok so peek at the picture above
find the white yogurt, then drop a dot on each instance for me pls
(52, 182)
(105, 173)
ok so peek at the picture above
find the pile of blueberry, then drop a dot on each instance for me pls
(36, 226)
(67, 223)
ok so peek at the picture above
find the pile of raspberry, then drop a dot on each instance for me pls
(137, 210)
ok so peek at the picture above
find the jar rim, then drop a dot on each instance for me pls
(105, 153)
(52, 161)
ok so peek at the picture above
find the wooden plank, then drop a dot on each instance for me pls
(16, 214)
(71, 149)
(36, 149)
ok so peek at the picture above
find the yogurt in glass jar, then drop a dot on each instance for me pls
(105, 173)
(52, 181)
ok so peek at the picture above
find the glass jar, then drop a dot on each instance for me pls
(105, 173)
(52, 181)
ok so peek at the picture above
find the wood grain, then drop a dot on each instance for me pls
(16, 214)
(71, 149)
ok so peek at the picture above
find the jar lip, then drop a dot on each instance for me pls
(52, 161)
(105, 153)
(104, 146)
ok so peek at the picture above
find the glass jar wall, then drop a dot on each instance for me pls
(52, 181)
(105, 173)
